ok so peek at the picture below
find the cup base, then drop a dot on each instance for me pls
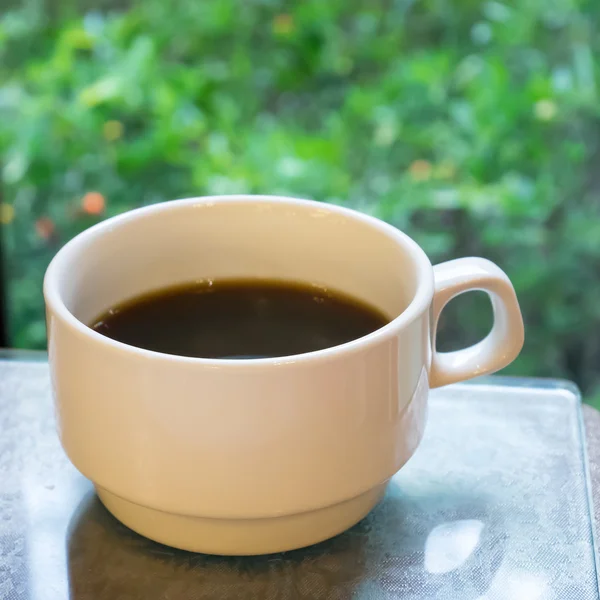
(241, 537)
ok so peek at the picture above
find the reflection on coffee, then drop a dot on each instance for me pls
(240, 318)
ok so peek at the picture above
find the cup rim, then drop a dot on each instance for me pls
(419, 303)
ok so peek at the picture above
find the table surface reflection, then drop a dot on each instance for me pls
(493, 506)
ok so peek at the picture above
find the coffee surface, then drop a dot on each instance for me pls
(239, 319)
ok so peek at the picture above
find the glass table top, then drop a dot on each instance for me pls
(493, 506)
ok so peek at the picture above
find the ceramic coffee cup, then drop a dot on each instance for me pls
(255, 456)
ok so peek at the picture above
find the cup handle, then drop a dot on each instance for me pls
(504, 342)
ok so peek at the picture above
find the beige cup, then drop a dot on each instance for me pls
(255, 456)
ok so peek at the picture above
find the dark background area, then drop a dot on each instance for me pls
(472, 126)
(3, 313)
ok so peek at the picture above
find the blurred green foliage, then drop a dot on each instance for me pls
(471, 125)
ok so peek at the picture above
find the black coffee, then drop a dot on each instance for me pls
(239, 319)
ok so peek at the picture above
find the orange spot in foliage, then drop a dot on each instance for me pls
(420, 170)
(45, 227)
(283, 24)
(7, 213)
(112, 130)
(93, 203)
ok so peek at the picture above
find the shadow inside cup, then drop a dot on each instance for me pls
(427, 546)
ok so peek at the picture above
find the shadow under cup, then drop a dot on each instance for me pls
(248, 456)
